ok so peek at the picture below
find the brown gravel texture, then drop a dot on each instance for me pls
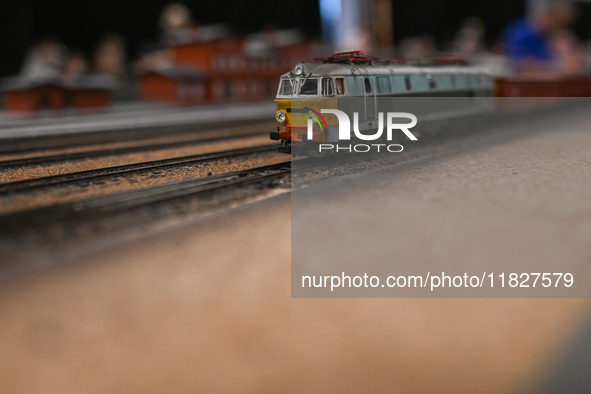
(11, 175)
(61, 194)
(206, 307)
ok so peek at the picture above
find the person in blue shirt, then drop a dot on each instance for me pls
(528, 40)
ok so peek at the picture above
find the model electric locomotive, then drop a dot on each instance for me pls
(366, 89)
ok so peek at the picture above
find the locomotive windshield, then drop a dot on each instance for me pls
(310, 88)
(285, 89)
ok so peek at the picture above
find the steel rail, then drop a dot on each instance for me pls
(77, 156)
(116, 203)
(123, 170)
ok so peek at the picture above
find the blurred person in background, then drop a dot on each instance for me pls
(418, 49)
(569, 52)
(469, 44)
(75, 66)
(469, 40)
(177, 25)
(528, 41)
(109, 64)
(45, 61)
(110, 56)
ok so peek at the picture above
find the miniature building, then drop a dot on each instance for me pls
(84, 92)
(231, 68)
(220, 60)
(541, 92)
(183, 85)
(209, 55)
(90, 92)
(231, 75)
(567, 86)
(25, 96)
(89, 98)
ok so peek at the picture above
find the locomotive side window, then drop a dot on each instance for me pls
(443, 81)
(355, 86)
(340, 82)
(461, 82)
(383, 85)
(310, 88)
(407, 82)
(397, 84)
(285, 88)
(327, 88)
(367, 82)
(419, 82)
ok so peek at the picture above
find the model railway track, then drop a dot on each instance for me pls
(124, 170)
(98, 207)
(60, 158)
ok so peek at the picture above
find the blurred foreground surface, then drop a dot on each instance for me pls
(206, 307)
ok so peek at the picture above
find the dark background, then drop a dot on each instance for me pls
(80, 24)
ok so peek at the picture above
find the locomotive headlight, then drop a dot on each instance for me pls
(298, 70)
(280, 116)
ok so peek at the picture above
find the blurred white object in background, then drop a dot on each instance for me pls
(44, 62)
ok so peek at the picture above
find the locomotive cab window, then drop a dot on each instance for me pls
(310, 87)
(327, 88)
(285, 88)
(367, 83)
(340, 83)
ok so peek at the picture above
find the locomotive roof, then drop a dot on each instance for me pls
(319, 69)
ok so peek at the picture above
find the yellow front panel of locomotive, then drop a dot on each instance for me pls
(283, 105)
(301, 118)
